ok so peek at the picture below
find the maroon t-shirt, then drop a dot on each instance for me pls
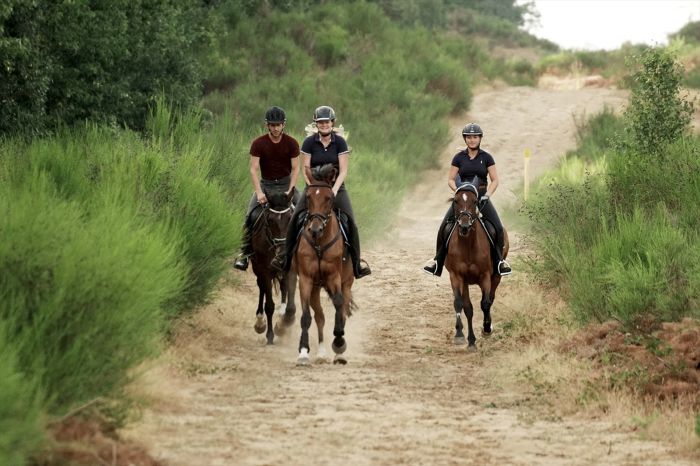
(275, 159)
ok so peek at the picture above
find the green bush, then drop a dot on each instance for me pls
(690, 32)
(655, 107)
(168, 182)
(105, 61)
(83, 293)
(21, 410)
(616, 221)
(692, 78)
(644, 266)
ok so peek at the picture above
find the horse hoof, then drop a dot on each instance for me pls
(486, 333)
(460, 341)
(321, 357)
(340, 359)
(260, 325)
(339, 349)
(471, 348)
(279, 329)
(303, 358)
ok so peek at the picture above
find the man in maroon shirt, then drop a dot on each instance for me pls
(276, 156)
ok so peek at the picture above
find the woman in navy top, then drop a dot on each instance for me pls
(468, 164)
(321, 148)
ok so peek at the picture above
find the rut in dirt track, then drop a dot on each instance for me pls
(407, 396)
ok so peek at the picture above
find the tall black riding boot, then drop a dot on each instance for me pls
(502, 267)
(360, 270)
(295, 224)
(246, 249)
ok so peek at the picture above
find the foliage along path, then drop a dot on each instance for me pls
(220, 396)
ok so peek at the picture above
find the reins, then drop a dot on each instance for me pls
(272, 241)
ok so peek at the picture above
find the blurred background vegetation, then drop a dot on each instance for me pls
(124, 136)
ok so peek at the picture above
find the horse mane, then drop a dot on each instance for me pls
(325, 173)
(277, 200)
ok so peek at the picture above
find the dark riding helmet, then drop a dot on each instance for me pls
(275, 115)
(472, 129)
(324, 113)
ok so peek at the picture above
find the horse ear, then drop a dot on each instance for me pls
(314, 174)
(290, 195)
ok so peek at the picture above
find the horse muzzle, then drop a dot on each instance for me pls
(465, 222)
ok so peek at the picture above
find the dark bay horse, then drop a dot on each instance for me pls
(269, 233)
(321, 260)
(469, 262)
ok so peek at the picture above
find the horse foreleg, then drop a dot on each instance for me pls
(269, 311)
(458, 305)
(305, 287)
(291, 308)
(287, 314)
(260, 325)
(339, 344)
(487, 295)
(469, 312)
(320, 319)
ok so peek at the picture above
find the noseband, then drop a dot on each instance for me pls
(470, 223)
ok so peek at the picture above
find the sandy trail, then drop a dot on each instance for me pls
(220, 396)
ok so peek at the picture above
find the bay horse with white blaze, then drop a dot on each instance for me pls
(269, 234)
(321, 260)
(470, 262)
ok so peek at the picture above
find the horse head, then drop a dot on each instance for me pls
(278, 213)
(319, 199)
(464, 206)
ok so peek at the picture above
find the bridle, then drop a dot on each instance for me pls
(274, 242)
(459, 215)
(323, 218)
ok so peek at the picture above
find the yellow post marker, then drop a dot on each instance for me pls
(526, 178)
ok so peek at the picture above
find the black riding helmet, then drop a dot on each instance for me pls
(472, 129)
(324, 113)
(275, 115)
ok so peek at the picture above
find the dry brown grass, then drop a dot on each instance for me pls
(597, 372)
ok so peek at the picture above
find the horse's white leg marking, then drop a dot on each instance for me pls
(303, 358)
(321, 354)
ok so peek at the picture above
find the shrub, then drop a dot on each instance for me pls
(105, 61)
(82, 295)
(21, 413)
(655, 106)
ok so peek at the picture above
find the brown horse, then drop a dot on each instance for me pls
(269, 233)
(322, 261)
(469, 262)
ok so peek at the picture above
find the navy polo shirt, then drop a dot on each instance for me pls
(320, 155)
(469, 168)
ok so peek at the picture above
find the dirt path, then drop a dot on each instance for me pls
(407, 396)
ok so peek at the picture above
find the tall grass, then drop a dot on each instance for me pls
(616, 221)
(83, 294)
(21, 407)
